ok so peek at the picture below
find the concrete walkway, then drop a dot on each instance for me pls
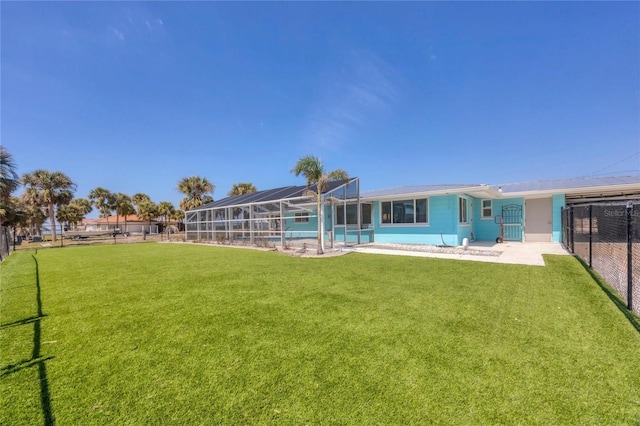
(509, 252)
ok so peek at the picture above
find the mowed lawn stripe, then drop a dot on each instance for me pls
(187, 334)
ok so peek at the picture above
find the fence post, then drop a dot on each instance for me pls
(590, 235)
(630, 255)
(571, 228)
(563, 230)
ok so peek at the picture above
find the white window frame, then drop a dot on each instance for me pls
(463, 207)
(483, 208)
(415, 216)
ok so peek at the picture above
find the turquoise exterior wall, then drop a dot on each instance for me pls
(488, 229)
(300, 230)
(366, 235)
(441, 229)
(558, 203)
(328, 218)
(310, 229)
(444, 226)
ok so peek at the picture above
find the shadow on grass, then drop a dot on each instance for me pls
(613, 296)
(36, 358)
(21, 322)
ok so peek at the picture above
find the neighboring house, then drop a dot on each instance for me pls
(426, 214)
(132, 224)
(88, 224)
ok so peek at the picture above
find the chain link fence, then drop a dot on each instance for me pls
(607, 237)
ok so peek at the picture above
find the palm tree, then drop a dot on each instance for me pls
(75, 212)
(70, 215)
(26, 216)
(9, 180)
(8, 212)
(49, 190)
(137, 198)
(312, 169)
(166, 210)
(178, 215)
(147, 210)
(241, 189)
(102, 199)
(123, 206)
(196, 190)
(83, 205)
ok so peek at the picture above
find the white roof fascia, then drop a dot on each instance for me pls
(604, 189)
(484, 191)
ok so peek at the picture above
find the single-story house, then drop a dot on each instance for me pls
(527, 211)
(424, 214)
(130, 223)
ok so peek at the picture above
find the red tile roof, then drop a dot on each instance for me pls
(121, 219)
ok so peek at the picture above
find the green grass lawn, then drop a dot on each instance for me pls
(186, 334)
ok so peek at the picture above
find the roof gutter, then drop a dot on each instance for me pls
(470, 190)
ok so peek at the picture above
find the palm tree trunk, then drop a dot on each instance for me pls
(52, 221)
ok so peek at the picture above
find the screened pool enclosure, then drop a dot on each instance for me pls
(284, 216)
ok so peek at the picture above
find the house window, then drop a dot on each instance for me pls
(405, 211)
(421, 210)
(352, 214)
(487, 209)
(463, 210)
(301, 218)
(386, 212)
(365, 214)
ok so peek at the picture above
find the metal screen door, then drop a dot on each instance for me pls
(512, 222)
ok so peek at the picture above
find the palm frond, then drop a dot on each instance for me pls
(339, 174)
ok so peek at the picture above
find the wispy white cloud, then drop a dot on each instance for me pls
(117, 33)
(153, 24)
(355, 95)
(137, 19)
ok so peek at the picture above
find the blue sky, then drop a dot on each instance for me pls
(134, 96)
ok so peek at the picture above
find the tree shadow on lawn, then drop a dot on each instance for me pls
(36, 359)
(613, 296)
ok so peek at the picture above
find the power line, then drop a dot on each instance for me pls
(595, 173)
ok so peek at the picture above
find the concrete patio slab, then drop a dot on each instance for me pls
(509, 253)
